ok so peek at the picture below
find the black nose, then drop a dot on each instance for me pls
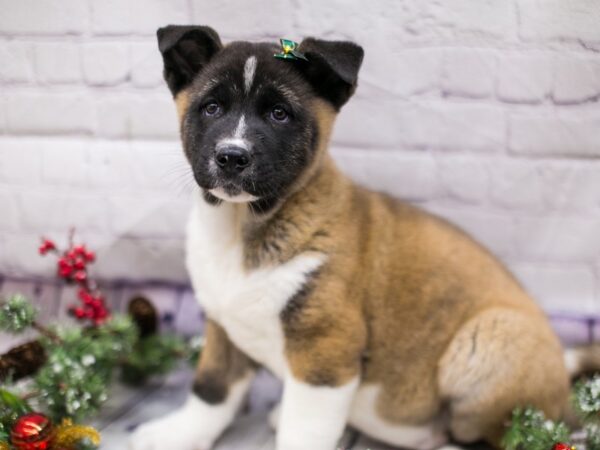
(232, 159)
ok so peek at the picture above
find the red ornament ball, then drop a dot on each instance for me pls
(31, 431)
(562, 446)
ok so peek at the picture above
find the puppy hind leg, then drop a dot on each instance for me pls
(498, 360)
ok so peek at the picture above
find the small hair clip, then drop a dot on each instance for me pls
(288, 50)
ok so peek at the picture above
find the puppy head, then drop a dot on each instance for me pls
(253, 124)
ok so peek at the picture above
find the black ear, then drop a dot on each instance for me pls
(185, 50)
(332, 68)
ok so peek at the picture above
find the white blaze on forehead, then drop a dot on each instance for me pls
(249, 71)
(241, 128)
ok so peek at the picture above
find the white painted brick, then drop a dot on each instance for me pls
(464, 178)
(44, 212)
(316, 18)
(16, 60)
(57, 62)
(560, 288)
(141, 259)
(64, 162)
(525, 77)
(558, 238)
(146, 65)
(113, 115)
(571, 186)
(372, 122)
(154, 116)
(111, 165)
(576, 79)
(20, 256)
(249, 19)
(3, 118)
(21, 161)
(43, 16)
(367, 122)
(105, 63)
(412, 177)
(494, 230)
(9, 218)
(469, 72)
(140, 167)
(488, 17)
(569, 134)
(143, 216)
(131, 190)
(49, 113)
(137, 16)
(558, 19)
(516, 184)
(447, 126)
(162, 166)
(402, 72)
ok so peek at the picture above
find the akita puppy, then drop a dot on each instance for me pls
(371, 311)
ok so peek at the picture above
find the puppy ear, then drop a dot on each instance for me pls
(332, 68)
(185, 51)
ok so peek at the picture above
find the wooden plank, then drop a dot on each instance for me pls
(249, 431)
(366, 443)
(154, 401)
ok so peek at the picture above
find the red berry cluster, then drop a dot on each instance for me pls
(72, 267)
(93, 307)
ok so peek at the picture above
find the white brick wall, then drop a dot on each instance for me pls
(484, 111)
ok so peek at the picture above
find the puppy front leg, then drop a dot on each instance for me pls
(323, 354)
(221, 383)
(313, 417)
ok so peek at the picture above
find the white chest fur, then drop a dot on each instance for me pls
(245, 303)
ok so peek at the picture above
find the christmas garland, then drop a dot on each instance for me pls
(530, 430)
(68, 369)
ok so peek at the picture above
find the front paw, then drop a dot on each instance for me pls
(181, 430)
(167, 433)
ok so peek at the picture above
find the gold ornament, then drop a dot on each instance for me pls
(67, 435)
(4, 445)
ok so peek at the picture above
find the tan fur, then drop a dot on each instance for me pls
(182, 103)
(221, 364)
(408, 302)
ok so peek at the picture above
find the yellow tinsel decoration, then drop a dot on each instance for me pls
(4, 445)
(67, 435)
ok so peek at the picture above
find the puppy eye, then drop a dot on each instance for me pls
(279, 114)
(211, 109)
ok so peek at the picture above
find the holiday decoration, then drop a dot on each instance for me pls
(22, 361)
(561, 446)
(144, 315)
(289, 50)
(530, 430)
(16, 314)
(72, 266)
(31, 431)
(69, 436)
(67, 370)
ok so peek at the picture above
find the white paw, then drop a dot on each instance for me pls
(181, 430)
(168, 433)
